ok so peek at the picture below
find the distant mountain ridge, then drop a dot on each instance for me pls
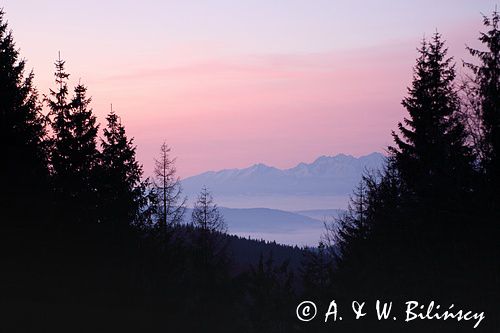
(284, 205)
(327, 175)
(284, 227)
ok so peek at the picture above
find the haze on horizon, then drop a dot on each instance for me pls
(228, 84)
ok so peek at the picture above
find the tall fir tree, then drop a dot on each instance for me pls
(435, 164)
(431, 152)
(74, 154)
(120, 186)
(486, 89)
(60, 149)
(23, 171)
(410, 231)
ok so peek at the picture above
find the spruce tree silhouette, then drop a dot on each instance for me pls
(484, 90)
(121, 192)
(484, 97)
(412, 231)
(74, 155)
(487, 89)
(431, 152)
(23, 171)
(435, 164)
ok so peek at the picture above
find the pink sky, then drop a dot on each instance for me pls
(230, 85)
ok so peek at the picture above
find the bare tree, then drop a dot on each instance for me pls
(167, 185)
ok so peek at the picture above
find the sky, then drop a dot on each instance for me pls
(228, 84)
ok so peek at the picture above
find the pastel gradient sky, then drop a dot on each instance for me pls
(231, 83)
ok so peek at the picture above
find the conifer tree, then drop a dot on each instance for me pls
(60, 111)
(74, 155)
(121, 190)
(352, 227)
(487, 91)
(147, 218)
(209, 226)
(402, 224)
(430, 152)
(23, 171)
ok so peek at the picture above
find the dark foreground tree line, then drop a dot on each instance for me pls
(89, 244)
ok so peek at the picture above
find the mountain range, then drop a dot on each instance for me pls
(305, 186)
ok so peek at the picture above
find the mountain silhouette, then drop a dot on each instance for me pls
(327, 175)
